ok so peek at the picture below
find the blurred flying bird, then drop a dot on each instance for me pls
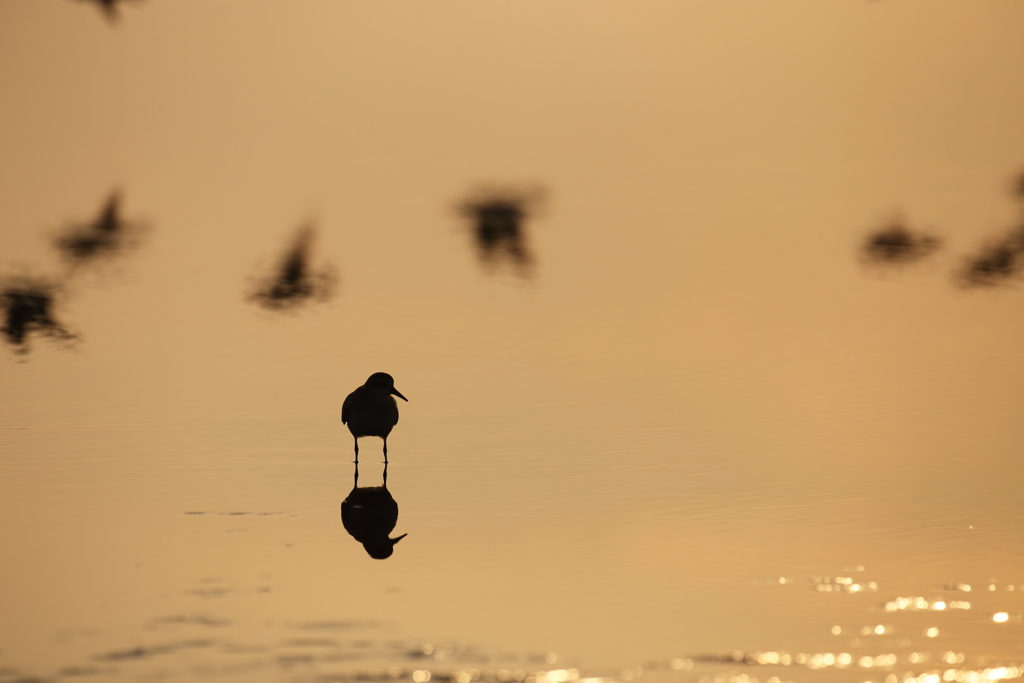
(294, 282)
(370, 410)
(27, 307)
(997, 263)
(103, 237)
(896, 243)
(498, 219)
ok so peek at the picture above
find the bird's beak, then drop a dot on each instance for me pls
(397, 393)
(396, 540)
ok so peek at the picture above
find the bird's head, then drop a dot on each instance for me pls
(382, 380)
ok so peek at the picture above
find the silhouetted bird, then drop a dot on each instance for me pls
(898, 244)
(498, 220)
(28, 307)
(998, 263)
(370, 515)
(370, 410)
(294, 282)
(104, 236)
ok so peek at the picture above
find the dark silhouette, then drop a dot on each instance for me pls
(27, 306)
(370, 515)
(1001, 260)
(370, 410)
(105, 236)
(996, 263)
(294, 282)
(498, 223)
(897, 244)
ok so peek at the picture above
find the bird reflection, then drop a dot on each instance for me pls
(370, 515)
(103, 237)
(498, 224)
(27, 305)
(370, 410)
(293, 281)
(898, 244)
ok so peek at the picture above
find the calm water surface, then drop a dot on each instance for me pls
(669, 418)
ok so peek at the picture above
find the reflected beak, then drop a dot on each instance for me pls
(396, 540)
(397, 393)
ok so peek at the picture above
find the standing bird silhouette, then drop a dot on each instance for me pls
(370, 410)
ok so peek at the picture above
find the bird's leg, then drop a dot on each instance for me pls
(356, 440)
(385, 450)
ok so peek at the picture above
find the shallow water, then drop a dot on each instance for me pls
(669, 417)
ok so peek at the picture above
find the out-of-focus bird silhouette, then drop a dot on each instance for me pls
(498, 224)
(898, 244)
(28, 308)
(369, 515)
(370, 410)
(104, 236)
(294, 282)
(28, 303)
(1000, 260)
(996, 263)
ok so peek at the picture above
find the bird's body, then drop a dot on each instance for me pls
(370, 410)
